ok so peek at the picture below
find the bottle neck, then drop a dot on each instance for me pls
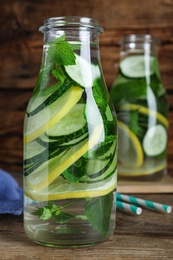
(81, 33)
(135, 44)
(82, 43)
(70, 53)
(75, 28)
(145, 49)
(77, 36)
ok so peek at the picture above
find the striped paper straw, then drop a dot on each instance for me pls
(145, 203)
(131, 209)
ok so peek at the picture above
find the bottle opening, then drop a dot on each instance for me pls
(71, 22)
(139, 38)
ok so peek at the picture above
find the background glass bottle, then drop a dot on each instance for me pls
(139, 98)
(70, 155)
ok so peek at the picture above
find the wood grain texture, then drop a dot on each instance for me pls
(148, 236)
(111, 14)
(21, 52)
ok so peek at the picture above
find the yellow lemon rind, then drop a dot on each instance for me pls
(74, 96)
(94, 139)
(135, 141)
(146, 111)
(101, 190)
(138, 172)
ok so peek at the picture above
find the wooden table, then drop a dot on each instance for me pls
(148, 236)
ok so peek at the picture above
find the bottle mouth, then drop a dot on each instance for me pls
(139, 38)
(71, 22)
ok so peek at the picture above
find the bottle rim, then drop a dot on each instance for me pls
(70, 22)
(139, 38)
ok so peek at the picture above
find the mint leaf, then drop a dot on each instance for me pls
(127, 90)
(74, 173)
(108, 113)
(43, 213)
(134, 124)
(98, 211)
(100, 95)
(61, 53)
(63, 217)
(137, 122)
(46, 212)
(134, 121)
(102, 148)
(59, 74)
(55, 212)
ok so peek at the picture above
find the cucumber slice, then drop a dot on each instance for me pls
(155, 140)
(137, 66)
(46, 175)
(36, 125)
(106, 173)
(45, 141)
(95, 167)
(43, 164)
(46, 97)
(32, 149)
(41, 161)
(102, 155)
(72, 122)
(83, 72)
(36, 155)
(38, 100)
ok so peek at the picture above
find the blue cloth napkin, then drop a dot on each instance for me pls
(11, 195)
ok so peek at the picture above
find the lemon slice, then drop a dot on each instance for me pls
(41, 179)
(145, 111)
(129, 148)
(47, 117)
(61, 189)
(148, 167)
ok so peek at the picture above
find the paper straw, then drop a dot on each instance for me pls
(131, 209)
(145, 203)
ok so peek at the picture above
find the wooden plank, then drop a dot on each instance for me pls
(26, 60)
(112, 36)
(11, 122)
(14, 100)
(128, 14)
(21, 46)
(148, 236)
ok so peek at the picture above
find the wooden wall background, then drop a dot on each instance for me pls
(21, 51)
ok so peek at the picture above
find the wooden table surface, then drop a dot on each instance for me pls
(147, 236)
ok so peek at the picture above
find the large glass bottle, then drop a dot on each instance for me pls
(139, 98)
(70, 141)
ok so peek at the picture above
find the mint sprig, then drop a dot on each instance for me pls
(53, 211)
(97, 212)
(61, 52)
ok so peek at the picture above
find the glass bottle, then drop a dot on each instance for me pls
(140, 102)
(70, 141)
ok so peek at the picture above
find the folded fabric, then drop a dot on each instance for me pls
(11, 195)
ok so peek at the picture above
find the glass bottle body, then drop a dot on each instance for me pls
(139, 98)
(70, 141)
